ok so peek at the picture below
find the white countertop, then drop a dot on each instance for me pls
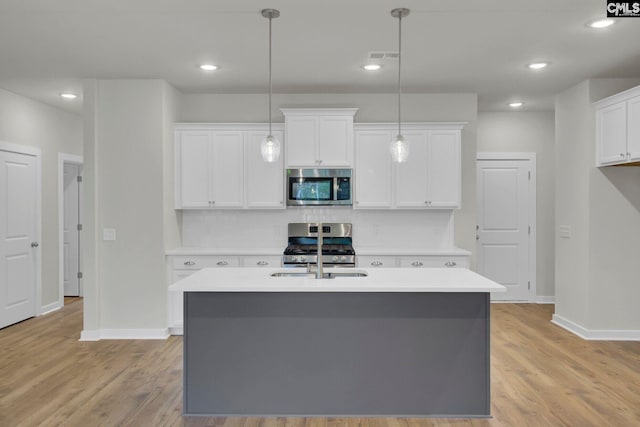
(411, 252)
(278, 251)
(378, 280)
(225, 251)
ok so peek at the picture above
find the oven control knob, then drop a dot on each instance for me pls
(294, 258)
(302, 258)
(335, 258)
(343, 258)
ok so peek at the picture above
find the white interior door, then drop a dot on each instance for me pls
(70, 233)
(503, 231)
(18, 246)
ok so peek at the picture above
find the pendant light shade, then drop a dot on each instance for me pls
(270, 149)
(399, 147)
(270, 146)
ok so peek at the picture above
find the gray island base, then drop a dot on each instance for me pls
(417, 354)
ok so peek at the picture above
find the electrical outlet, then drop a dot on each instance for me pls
(565, 231)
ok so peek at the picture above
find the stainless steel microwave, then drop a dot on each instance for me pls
(319, 187)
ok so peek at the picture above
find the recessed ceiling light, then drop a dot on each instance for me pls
(68, 95)
(372, 67)
(516, 104)
(538, 65)
(209, 67)
(601, 23)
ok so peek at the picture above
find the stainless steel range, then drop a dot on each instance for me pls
(336, 242)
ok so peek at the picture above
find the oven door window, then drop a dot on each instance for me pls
(311, 189)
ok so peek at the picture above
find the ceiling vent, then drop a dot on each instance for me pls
(381, 56)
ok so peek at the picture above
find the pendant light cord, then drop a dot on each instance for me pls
(399, 69)
(270, 80)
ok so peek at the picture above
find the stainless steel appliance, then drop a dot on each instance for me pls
(336, 243)
(319, 187)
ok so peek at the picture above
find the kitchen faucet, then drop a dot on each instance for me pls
(319, 271)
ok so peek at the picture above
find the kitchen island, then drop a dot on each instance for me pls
(398, 342)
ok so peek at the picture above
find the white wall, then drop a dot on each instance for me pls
(53, 131)
(125, 146)
(597, 268)
(268, 229)
(372, 108)
(529, 132)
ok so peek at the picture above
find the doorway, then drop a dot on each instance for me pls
(70, 212)
(19, 233)
(505, 234)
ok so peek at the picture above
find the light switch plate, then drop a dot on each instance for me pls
(565, 231)
(109, 234)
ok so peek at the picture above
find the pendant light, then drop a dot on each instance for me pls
(270, 146)
(399, 148)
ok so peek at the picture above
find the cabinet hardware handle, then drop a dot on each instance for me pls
(222, 263)
(450, 264)
(35, 244)
(477, 237)
(213, 202)
(621, 154)
(376, 263)
(189, 263)
(417, 264)
(262, 263)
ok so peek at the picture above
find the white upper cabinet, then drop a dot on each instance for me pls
(413, 175)
(227, 169)
(220, 166)
(618, 129)
(264, 181)
(443, 168)
(430, 179)
(193, 182)
(633, 129)
(319, 137)
(373, 169)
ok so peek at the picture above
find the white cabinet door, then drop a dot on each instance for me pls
(227, 170)
(412, 176)
(335, 141)
(633, 129)
(176, 302)
(265, 181)
(443, 169)
(302, 138)
(373, 171)
(193, 169)
(611, 135)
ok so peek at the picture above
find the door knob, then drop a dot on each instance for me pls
(35, 244)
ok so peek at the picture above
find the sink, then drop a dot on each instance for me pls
(331, 275)
(345, 274)
(292, 274)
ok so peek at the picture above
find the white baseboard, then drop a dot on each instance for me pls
(596, 334)
(93, 335)
(537, 300)
(125, 334)
(176, 330)
(46, 309)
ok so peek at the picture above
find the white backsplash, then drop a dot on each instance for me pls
(397, 229)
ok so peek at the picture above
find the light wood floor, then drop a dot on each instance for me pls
(541, 376)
